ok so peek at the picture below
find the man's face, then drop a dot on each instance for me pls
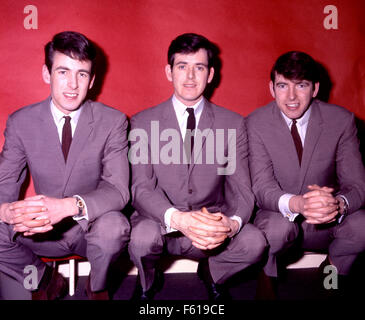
(190, 75)
(70, 80)
(293, 97)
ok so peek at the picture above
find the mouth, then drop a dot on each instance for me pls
(71, 96)
(292, 106)
(189, 85)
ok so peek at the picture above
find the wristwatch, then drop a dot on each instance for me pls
(345, 210)
(81, 206)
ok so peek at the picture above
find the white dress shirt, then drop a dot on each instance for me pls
(182, 118)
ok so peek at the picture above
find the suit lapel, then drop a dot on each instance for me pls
(169, 122)
(285, 145)
(83, 130)
(49, 129)
(314, 131)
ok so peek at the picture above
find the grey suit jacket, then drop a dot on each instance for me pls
(330, 157)
(97, 166)
(157, 187)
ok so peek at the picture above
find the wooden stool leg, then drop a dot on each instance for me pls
(72, 277)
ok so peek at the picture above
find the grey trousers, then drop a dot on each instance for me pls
(100, 242)
(149, 241)
(343, 242)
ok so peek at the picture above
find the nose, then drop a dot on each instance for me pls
(292, 92)
(72, 81)
(191, 73)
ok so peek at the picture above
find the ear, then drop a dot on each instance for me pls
(316, 89)
(92, 82)
(272, 90)
(211, 75)
(168, 72)
(45, 74)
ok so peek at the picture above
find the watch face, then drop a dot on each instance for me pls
(80, 204)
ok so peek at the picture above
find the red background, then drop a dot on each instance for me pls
(135, 35)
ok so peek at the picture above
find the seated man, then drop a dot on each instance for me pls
(306, 169)
(190, 198)
(76, 151)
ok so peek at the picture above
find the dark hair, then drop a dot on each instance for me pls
(296, 65)
(72, 44)
(191, 43)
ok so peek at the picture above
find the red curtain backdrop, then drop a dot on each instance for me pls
(135, 35)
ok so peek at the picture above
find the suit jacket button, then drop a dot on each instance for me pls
(190, 208)
(190, 191)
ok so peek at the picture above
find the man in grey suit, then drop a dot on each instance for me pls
(190, 181)
(306, 169)
(76, 151)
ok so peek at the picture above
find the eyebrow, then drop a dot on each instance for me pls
(65, 68)
(197, 64)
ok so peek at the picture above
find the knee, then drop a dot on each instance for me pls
(111, 231)
(257, 245)
(145, 237)
(279, 232)
(252, 243)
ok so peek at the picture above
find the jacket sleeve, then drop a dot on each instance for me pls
(112, 192)
(349, 167)
(264, 184)
(13, 167)
(147, 197)
(238, 183)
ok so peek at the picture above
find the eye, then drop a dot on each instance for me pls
(302, 85)
(181, 66)
(281, 85)
(200, 68)
(61, 72)
(83, 75)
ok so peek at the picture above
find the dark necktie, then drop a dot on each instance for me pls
(297, 140)
(66, 136)
(189, 137)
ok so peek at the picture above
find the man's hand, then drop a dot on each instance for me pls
(206, 231)
(318, 205)
(30, 220)
(30, 212)
(6, 215)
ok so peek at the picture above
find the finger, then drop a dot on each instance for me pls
(27, 203)
(205, 210)
(210, 231)
(28, 216)
(320, 204)
(207, 215)
(37, 197)
(317, 187)
(36, 223)
(39, 230)
(209, 219)
(318, 214)
(322, 219)
(197, 245)
(24, 210)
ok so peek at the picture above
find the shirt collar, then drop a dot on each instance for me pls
(58, 114)
(303, 120)
(180, 108)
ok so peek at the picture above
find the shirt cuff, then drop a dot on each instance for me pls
(85, 216)
(284, 207)
(239, 220)
(167, 219)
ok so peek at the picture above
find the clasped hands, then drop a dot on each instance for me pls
(206, 230)
(36, 214)
(318, 205)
